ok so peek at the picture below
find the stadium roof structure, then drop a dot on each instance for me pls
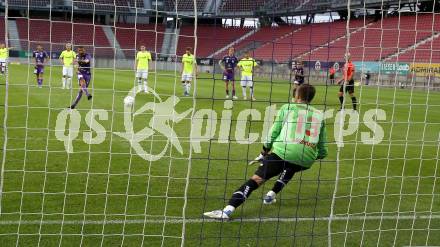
(205, 8)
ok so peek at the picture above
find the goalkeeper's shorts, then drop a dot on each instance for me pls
(273, 166)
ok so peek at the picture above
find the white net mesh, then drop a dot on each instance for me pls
(115, 172)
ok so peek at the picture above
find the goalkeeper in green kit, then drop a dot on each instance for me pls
(296, 140)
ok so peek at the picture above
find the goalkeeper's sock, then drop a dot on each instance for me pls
(278, 186)
(64, 82)
(341, 99)
(251, 91)
(354, 101)
(228, 210)
(239, 196)
(139, 81)
(244, 91)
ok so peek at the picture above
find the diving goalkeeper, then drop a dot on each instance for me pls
(296, 140)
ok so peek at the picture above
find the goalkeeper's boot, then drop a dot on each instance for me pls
(217, 214)
(269, 198)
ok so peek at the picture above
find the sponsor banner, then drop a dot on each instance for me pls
(363, 67)
(205, 61)
(321, 65)
(425, 69)
(393, 68)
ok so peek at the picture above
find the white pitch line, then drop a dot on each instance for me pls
(204, 220)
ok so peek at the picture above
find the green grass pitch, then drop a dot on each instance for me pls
(106, 195)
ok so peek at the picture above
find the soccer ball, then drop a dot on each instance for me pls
(128, 101)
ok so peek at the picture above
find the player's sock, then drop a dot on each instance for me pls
(227, 87)
(239, 196)
(139, 81)
(354, 101)
(77, 99)
(244, 91)
(64, 82)
(40, 82)
(251, 91)
(69, 82)
(85, 90)
(341, 99)
(188, 88)
(184, 87)
(145, 86)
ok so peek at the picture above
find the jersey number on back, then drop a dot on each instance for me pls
(307, 129)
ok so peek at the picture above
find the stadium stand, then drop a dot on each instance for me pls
(30, 3)
(184, 5)
(263, 36)
(2, 29)
(302, 40)
(209, 38)
(428, 52)
(56, 34)
(379, 40)
(369, 41)
(425, 52)
(245, 5)
(145, 34)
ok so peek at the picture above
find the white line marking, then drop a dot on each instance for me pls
(205, 220)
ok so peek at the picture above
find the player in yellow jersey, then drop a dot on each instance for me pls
(189, 67)
(4, 55)
(67, 59)
(142, 63)
(247, 65)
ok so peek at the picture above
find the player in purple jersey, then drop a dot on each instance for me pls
(228, 64)
(83, 70)
(40, 57)
(298, 73)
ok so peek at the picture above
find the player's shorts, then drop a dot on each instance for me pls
(187, 77)
(246, 80)
(332, 77)
(142, 73)
(273, 166)
(86, 78)
(228, 76)
(39, 70)
(68, 71)
(349, 88)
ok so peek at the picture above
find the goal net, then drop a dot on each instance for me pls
(122, 153)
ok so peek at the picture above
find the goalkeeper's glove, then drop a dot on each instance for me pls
(265, 150)
(261, 156)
